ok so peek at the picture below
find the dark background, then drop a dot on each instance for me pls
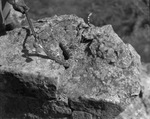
(129, 18)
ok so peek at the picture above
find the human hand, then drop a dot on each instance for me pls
(19, 5)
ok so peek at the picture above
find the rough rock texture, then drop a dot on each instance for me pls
(88, 72)
(130, 18)
(140, 108)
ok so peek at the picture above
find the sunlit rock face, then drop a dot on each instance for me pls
(80, 72)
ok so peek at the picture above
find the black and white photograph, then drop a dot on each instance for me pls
(74, 59)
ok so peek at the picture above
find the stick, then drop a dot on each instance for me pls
(31, 26)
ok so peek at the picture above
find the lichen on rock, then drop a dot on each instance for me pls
(101, 80)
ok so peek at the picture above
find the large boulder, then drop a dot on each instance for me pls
(80, 71)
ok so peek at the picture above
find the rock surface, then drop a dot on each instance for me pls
(140, 108)
(101, 80)
(130, 18)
